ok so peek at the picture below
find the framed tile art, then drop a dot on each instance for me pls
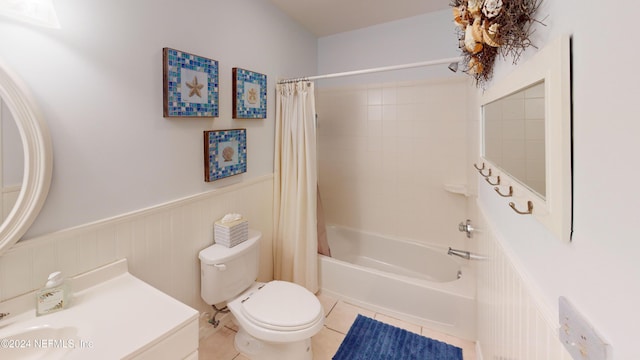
(190, 86)
(249, 94)
(225, 153)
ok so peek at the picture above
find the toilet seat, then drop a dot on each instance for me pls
(282, 306)
(278, 311)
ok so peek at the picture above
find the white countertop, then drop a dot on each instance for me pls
(116, 316)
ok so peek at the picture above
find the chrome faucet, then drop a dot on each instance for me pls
(460, 253)
(3, 315)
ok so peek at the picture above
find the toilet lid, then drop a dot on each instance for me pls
(281, 305)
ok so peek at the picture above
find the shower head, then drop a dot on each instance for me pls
(453, 66)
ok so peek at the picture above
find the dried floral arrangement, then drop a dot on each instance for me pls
(487, 28)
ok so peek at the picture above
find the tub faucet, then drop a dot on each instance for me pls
(460, 253)
(466, 227)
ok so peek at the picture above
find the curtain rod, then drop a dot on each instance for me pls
(374, 70)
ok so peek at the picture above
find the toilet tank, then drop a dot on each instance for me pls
(227, 272)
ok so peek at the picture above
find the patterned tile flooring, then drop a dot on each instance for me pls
(340, 316)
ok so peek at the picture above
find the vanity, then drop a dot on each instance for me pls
(113, 315)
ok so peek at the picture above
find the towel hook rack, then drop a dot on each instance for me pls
(497, 180)
(477, 168)
(529, 208)
(482, 173)
(497, 189)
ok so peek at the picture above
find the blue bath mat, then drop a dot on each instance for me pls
(370, 339)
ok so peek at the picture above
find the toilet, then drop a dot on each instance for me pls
(276, 319)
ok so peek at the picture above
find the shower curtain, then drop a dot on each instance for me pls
(295, 240)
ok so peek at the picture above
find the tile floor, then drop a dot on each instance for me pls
(340, 316)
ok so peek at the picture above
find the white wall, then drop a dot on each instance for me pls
(598, 272)
(98, 81)
(415, 39)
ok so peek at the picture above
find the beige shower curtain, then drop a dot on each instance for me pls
(295, 238)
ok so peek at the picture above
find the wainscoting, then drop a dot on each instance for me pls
(161, 243)
(513, 324)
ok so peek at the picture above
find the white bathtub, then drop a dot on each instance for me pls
(407, 280)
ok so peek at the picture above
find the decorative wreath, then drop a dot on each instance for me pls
(487, 28)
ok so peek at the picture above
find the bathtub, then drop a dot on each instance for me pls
(407, 280)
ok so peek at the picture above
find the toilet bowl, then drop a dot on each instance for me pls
(276, 319)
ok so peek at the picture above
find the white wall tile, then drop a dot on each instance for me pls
(374, 96)
(414, 142)
(374, 114)
(389, 95)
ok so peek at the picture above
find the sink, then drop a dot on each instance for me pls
(40, 342)
(113, 315)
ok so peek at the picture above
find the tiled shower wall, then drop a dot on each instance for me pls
(513, 324)
(385, 154)
(160, 243)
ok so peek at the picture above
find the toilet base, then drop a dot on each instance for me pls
(256, 349)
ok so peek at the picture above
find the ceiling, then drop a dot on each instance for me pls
(328, 17)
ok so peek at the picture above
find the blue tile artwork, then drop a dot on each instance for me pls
(190, 85)
(249, 94)
(225, 152)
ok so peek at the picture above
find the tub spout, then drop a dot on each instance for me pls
(459, 253)
(465, 254)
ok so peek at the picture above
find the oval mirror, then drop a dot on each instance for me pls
(37, 156)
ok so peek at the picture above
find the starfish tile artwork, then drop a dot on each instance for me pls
(249, 94)
(194, 87)
(190, 85)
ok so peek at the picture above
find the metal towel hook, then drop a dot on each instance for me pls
(497, 180)
(497, 189)
(482, 173)
(529, 208)
(477, 168)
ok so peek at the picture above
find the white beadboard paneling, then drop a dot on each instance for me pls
(124, 240)
(512, 322)
(88, 251)
(107, 244)
(161, 243)
(67, 255)
(16, 273)
(44, 259)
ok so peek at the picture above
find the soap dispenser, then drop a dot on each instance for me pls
(54, 296)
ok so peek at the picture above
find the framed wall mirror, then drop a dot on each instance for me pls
(526, 136)
(27, 190)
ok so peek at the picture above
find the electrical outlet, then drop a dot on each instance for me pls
(579, 337)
